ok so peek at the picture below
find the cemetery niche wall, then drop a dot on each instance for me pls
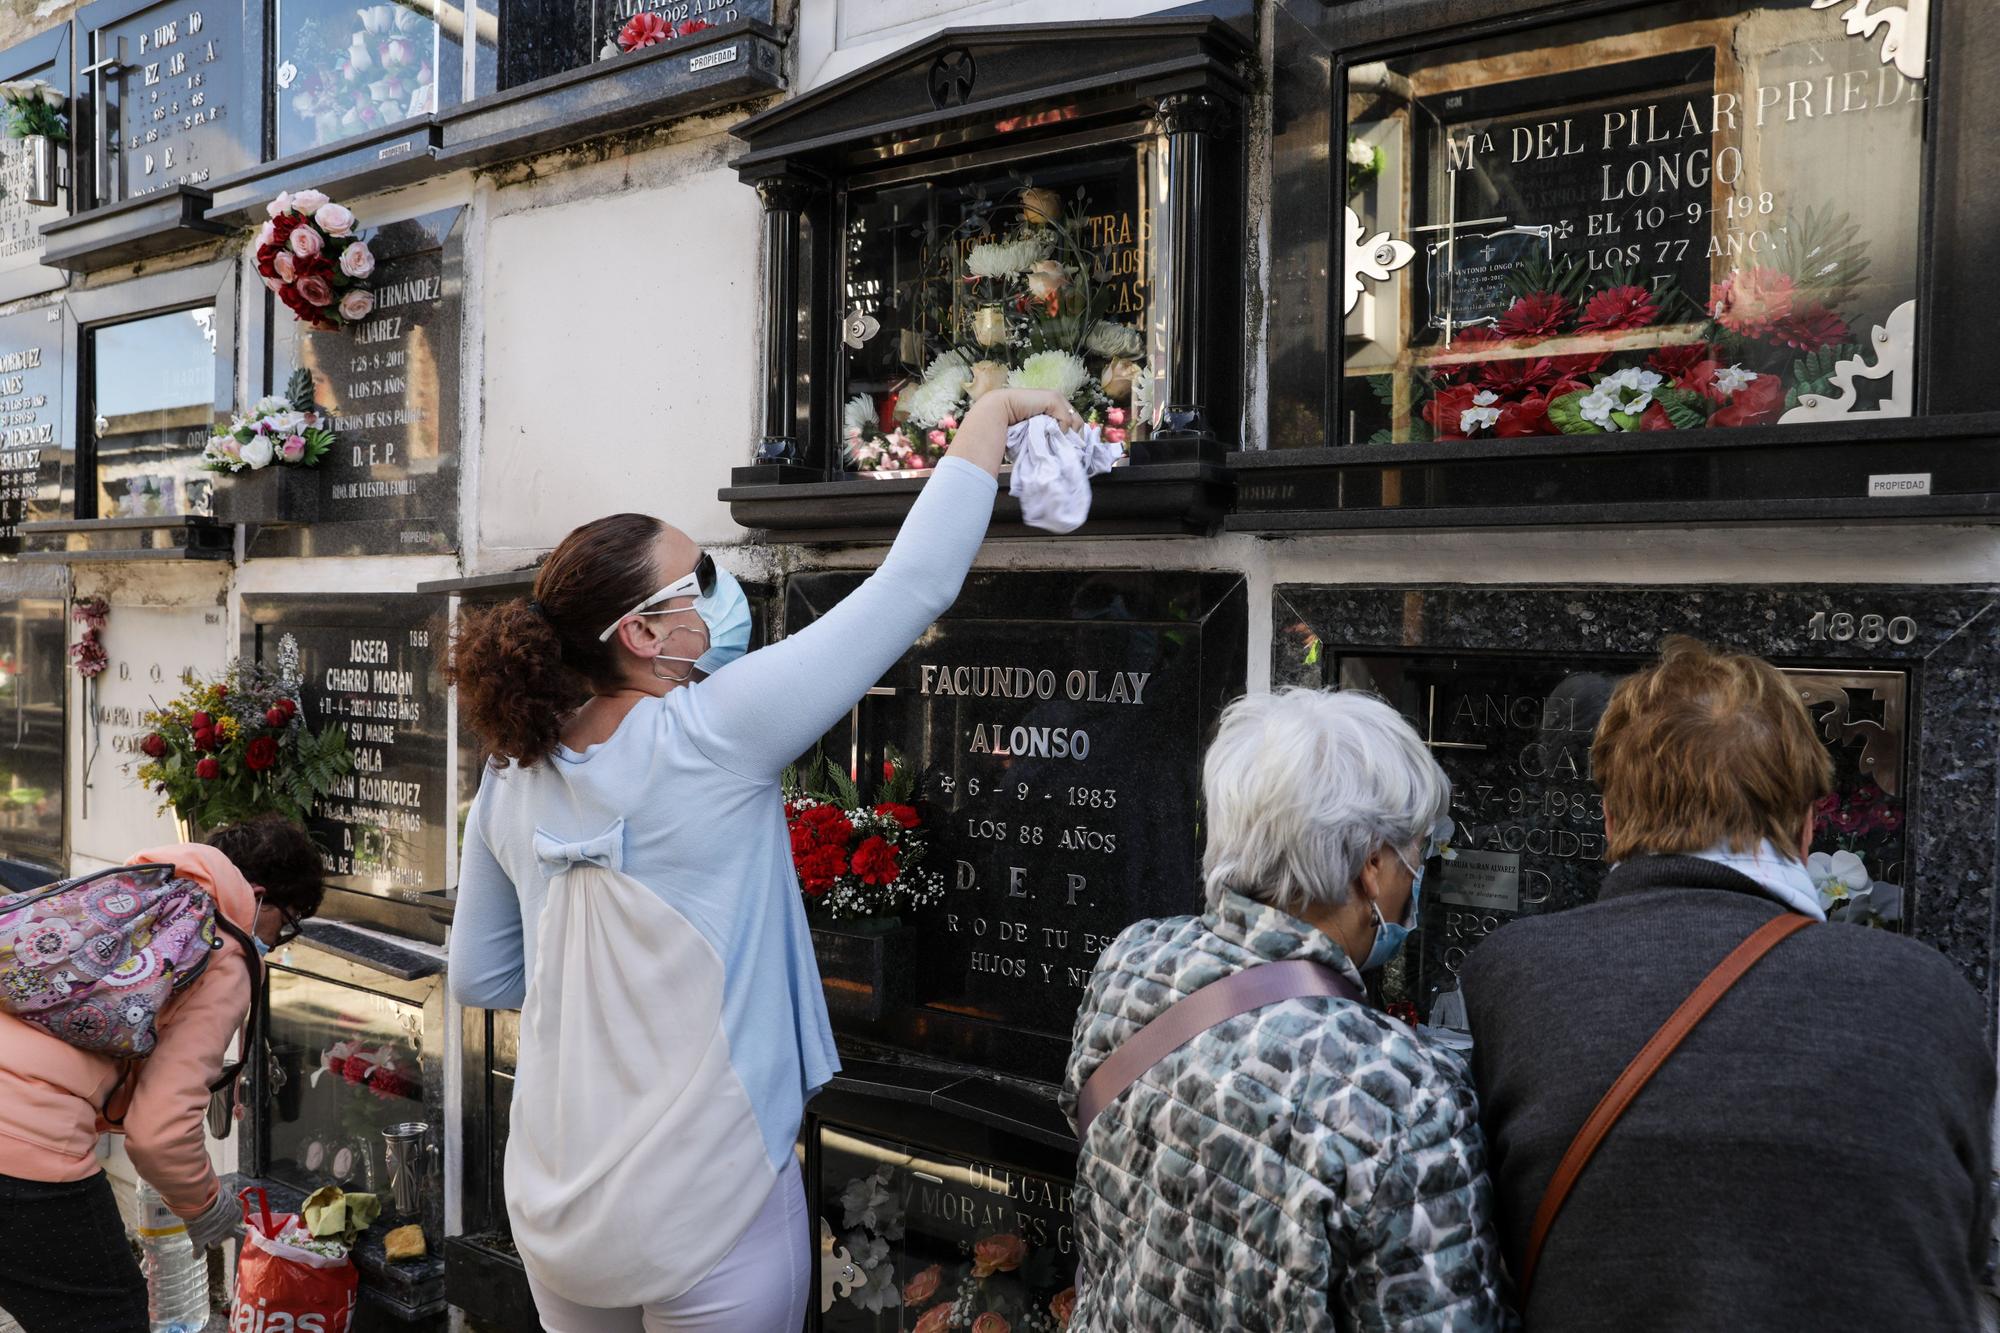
(1506, 686)
(1055, 720)
(1675, 260)
(34, 689)
(36, 170)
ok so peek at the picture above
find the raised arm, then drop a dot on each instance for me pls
(761, 712)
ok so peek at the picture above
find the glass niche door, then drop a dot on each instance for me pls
(152, 396)
(345, 71)
(351, 1061)
(928, 1242)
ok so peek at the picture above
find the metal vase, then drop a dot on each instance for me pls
(406, 1153)
(43, 177)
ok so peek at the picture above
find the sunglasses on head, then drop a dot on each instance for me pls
(697, 582)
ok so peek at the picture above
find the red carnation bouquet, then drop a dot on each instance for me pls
(856, 859)
(649, 28)
(309, 256)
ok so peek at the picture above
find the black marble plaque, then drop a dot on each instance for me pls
(366, 664)
(34, 433)
(180, 94)
(1058, 720)
(1507, 685)
(390, 485)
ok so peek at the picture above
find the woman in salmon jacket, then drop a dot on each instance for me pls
(64, 1263)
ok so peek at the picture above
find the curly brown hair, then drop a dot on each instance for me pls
(277, 856)
(524, 665)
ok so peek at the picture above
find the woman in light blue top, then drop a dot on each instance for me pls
(627, 883)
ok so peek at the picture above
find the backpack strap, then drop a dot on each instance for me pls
(1190, 1016)
(1638, 1073)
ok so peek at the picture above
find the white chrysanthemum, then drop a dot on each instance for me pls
(270, 406)
(1111, 339)
(1004, 259)
(953, 363)
(1360, 154)
(934, 400)
(1059, 371)
(858, 416)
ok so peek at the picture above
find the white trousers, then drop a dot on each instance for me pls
(758, 1287)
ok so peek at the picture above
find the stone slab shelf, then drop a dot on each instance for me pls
(1761, 474)
(1180, 490)
(130, 231)
(346, 170)
(704, 72)
(508, 580)
(1011, 1106)
(126, 540)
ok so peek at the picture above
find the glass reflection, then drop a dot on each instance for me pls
(31, 733)
(153, 402)
(344, 71)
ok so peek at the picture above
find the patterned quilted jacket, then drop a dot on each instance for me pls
(1309, 1165)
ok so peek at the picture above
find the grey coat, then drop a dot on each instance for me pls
(1815, 1155)
(1308, 1166)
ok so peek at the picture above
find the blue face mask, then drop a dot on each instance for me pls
(726, 612)
(261, 945)
(1390, 935)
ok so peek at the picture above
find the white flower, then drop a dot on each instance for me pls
(934, 400)
(1838, 877)
(1360, 154)
(1110, 339)
(1473, 418)
(1596, 407)
(1003, 259)
(257, 453)
(1635, 379)
(288, 74)
(1486, 398)
(280, 206)
(1060, 372)
(269, 406)
(859, 416)
(1733, 378)
(954, 363)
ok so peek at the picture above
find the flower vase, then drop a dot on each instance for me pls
(269, 495)
(865, 967)
(43, 179)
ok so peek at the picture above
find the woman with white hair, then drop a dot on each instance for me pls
(1274, 1153)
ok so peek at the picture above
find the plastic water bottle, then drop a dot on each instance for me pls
(176, 1277)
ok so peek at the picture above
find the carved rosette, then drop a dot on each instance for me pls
(1905, 27)
(1895, 348)
(1371, 259)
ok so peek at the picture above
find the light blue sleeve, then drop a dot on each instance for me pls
(488, 968)
(763, 710)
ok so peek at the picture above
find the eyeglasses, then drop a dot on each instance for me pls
(698, 582)
(288, 927)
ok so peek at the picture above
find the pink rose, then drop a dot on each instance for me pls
(948, 423)
(315, 290)
(307, 202)
(1114, 435)
(357, 305)
(1063, 1305)
(357, 260)
(334, 219)
(282, 204)
(293, 449)
(991, 1323)
(265, 235)
(998, 1254)
(937, 439)
(1116, 416)
(306, 242)
(937, 1319)
(285, 266)
(923, 1286)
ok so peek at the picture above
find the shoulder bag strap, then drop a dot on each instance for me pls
(1644, 1065)
(1189, 1017)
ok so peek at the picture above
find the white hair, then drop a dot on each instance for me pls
(1302, 786)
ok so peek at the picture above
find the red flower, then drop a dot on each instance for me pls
(1678, 363)
(261, 754)
(355, 1071)
(208, 770)
(315, 289)
(902, 814)
(1757, 403)
(687, 26)
(1655, 418)
(154, 746)
(645, 29)
(201, 721)
(1619, 308)
(275, 716)
(875, 862)
(888, 770)
(1528, 417)
(1811, 327)
(1537, 315)
(1447, 410)
(290, 707)
(819, 868)
(1749, 303)
(885, 411)
(1518, 376)
(204, 738)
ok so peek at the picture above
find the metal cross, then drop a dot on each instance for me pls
(100, 71)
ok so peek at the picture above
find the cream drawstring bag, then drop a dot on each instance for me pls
(634, 1159)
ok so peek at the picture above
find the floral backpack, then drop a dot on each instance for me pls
(93, 960)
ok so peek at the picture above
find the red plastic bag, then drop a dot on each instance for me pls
(282, 1287)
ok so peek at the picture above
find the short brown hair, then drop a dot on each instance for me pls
(1705, 749)
(277, 856)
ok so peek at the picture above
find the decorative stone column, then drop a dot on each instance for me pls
(1189, 120)
(785, 199)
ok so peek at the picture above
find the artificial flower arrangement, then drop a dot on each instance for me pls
(236, 747)
(1770, 334)
(857, 860)
(1847, 889)
(383, 74)
(35, 107)
(381, 1069)
(289, 431)
(310, 257)
(1364, 165)
(649, 28)
(1026, 309)
(87, 654)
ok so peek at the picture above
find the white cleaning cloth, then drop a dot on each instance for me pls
(1052, 471)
